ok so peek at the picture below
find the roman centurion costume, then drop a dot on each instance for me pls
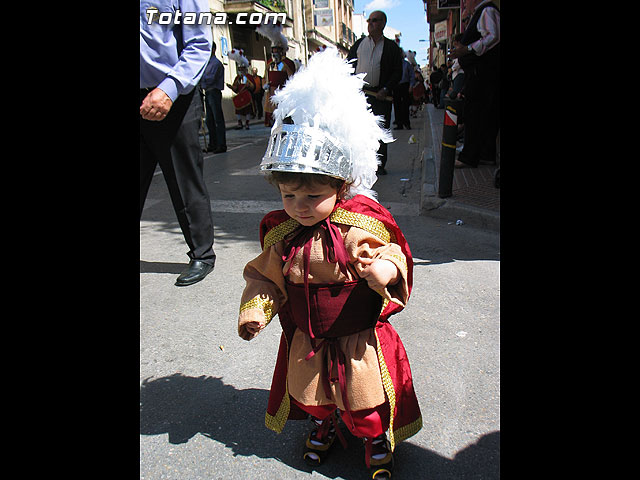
(243, 86)
(279, 68)
(337, 349)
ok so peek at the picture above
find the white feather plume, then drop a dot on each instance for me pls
(274, 33)
(325, 94)
(238, 57)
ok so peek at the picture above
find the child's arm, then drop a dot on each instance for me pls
(378, 273)
(264, 292)
(381, 264)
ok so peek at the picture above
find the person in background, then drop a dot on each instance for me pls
(443, 85)
(457, 73)
(279, 68)
(212, 83)
(243, 86)
(381, 59)
(434, 79)
(401, 95)
(259, 93)
(479, 56)
(172, 60)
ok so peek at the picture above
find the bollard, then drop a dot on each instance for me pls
(449, 134)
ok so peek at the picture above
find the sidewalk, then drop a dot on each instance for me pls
(474, 200)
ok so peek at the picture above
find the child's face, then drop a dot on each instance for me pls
(308, 205)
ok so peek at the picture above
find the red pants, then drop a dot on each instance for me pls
(370, 422)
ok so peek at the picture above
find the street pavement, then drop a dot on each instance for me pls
(204, 390)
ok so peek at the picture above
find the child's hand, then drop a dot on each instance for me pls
(378, 273)
(251, 329)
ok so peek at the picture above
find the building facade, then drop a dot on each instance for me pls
(308, 26)
(445, 22)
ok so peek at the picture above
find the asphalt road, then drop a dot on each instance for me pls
(203, 390)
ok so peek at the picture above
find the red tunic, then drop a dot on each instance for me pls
(395, 372)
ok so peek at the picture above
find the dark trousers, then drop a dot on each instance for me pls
(435, 95)
(401, 103)
(257, 98)
(174, 144)
(381, 107)
(215, 119)
(481, 116)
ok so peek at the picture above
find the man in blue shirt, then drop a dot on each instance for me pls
(172, 59)
(213, 83)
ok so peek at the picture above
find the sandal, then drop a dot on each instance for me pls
(321, 439)
(378, 457)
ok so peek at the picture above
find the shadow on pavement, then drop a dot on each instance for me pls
(182, 407)
(162, 267)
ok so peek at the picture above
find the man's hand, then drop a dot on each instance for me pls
(155, 106)
(459, 51)
(381, 94)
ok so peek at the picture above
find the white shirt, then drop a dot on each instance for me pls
(456, 69)
(489, 27)
(369, 55)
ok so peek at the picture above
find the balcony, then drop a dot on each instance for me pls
(250, 6)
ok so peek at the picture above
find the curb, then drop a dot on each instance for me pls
(447, 208)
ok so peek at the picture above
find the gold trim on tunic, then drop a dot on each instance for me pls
(280, 231)
(340, 215)
(260, 303)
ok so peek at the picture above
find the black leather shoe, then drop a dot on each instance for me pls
(220, 150)
(197, 271)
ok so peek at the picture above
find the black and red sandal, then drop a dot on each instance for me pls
(378, 457)
(321, 439)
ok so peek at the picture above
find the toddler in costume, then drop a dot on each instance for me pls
(334, 267)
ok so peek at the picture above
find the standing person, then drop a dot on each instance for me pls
(401, 95)
(279, 68)
(244, 86)
(457, 73)
(435, 78)
(338, 350)
(259, 93)
(443, 85)
(381, 59)
(479, 56)
(417, 93)
(213, 83)
(172, 60)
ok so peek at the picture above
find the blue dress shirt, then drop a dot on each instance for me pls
(173, 56)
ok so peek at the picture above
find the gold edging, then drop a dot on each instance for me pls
(280, 231)
(407, 431)
(365, 222)
(260, 303)
(387, 384)
(340, 215)
(277, 422)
